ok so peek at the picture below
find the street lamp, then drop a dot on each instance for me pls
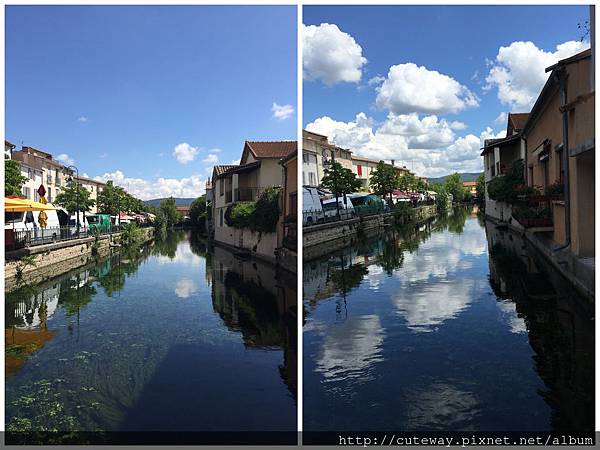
(71, 167)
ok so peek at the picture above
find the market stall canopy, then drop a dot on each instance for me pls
(24, 205)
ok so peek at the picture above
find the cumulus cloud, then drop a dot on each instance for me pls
(410, 88)
(282, 112)
(211, 158)
(376, 80)
(518, 71)
(185, 153)
(83, 119)
(185, 288)
(65, 159)
(502, 118)
(428, 145)
(192, 186)
(330, 55)
(103, 155)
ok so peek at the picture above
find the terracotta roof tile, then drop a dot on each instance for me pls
(272, 149)
(518, 120)
(223, 168)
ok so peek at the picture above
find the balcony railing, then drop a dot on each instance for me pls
(247, 194)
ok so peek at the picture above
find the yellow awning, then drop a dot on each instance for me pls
(23, 205)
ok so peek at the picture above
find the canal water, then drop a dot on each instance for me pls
(454, 325)
(167, 336)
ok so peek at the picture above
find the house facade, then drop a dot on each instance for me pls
(317, 154)
(499, 155)
(260, 167)
(364, 167)
(94, 188)
(41, 168)
(560, 137)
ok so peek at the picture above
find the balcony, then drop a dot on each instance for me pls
(247, 194)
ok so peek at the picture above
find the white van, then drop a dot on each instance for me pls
(346, 209)
(312, 210)
(29, 221)
(83, 224)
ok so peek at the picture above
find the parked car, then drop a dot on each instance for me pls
(312, 209)
(99, 222)
(345, 207)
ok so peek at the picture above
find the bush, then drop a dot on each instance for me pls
(267, 210)
(506, 188)
(261, 215)
(240, 215)
(403, 213)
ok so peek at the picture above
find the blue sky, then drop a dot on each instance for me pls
(120, 88)
(448, 64)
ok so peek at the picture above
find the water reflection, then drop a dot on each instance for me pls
(426, 332)
(173, 335)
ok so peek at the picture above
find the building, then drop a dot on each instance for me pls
(94, 187)
(287, 235)
(8, 149)
(555, 146)
(364, 167)
(317, 154)
(471, 186)
(41, 168)
(560, 137)
(499, 155)
(259, 168)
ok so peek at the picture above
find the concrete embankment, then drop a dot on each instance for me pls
(321, 239)
(52, 260)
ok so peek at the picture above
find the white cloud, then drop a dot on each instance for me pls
(502, 118)
(103, 155)
(83, 119)
(211, 158)
(185, 288)
(65, 159)
(518, 71)
(185, 153)
(427, 145)
(330, 55)
(282, 112)
(214, 150)
(409, 88)
(192, 186)
(376, 80)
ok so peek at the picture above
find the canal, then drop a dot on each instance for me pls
(454, 325)
(173, 335)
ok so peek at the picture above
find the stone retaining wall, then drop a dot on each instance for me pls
(55, 259)
(325, 238)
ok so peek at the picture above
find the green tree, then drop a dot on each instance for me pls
(481, 189)
(407, 183)
(455, 187)
(110, 199)
(75, 198)
(198, 213)
(13, 180)
(340, 180)
(384, 180)
(168, 207)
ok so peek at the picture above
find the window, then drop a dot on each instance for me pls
(49, 194)
(305, 157)
(312, 178)
(303, 178)
(221, 187)
(221, 217)
(559, 166)
(359, 170)
(26, 192)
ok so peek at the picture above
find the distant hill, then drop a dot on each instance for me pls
(463, 177)
(179, 201)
